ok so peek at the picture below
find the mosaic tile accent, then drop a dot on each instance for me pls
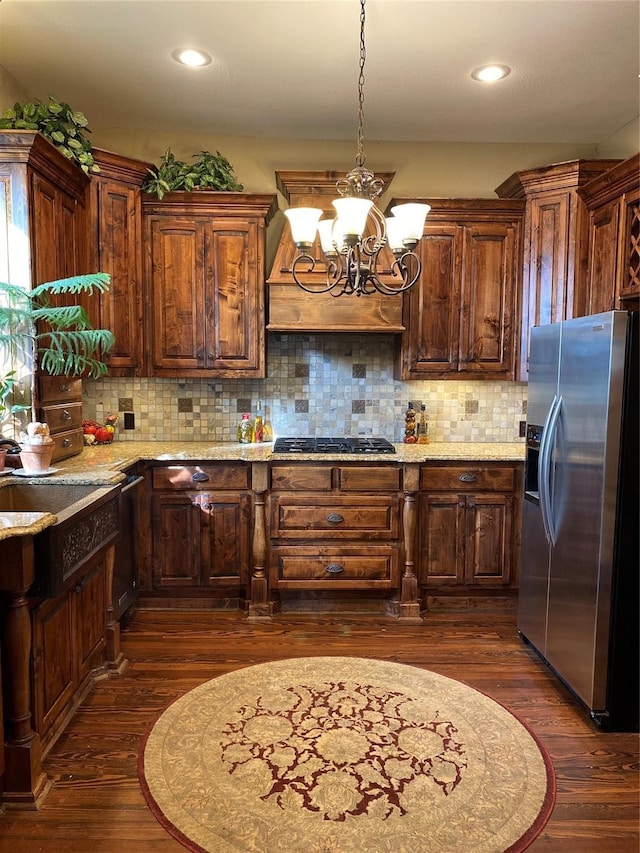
(185, 404)
(329, 391)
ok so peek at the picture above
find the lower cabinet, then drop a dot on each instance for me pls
(468, 526)
(200, 533)
(334, 528)
(68, 640)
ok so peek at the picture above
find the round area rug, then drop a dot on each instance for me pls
(344, 755)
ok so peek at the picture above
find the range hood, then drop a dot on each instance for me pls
(292, 309)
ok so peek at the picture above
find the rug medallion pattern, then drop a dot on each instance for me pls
(338, 755)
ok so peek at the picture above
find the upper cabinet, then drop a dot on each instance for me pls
(43, 211)
(292, 309)
(204, 274)
(556, 234)
(116, 244)
(613, 277)
(460, 316)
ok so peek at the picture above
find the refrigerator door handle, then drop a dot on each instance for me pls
(551, 429)
(543, 471)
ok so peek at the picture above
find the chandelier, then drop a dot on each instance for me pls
(352, 240)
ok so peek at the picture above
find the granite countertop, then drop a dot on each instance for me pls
(104, 464)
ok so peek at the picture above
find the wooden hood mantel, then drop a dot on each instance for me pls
(292, 309)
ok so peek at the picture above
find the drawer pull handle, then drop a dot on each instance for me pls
(64, 387)
(335, 568)
(65, 416)
(335, 518)
(200, 477)
(467, 478)
(66, 442)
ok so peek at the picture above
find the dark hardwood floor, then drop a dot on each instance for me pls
(95, 804)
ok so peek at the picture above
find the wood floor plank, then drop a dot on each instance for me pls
(96, 806)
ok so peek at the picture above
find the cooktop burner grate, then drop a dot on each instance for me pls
(333, 445)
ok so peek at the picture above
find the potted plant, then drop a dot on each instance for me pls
(209, 172)
(64, 127)
(57, 339)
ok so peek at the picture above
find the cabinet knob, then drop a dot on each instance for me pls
(335, 518)
(460, 503)
(65, 416)
(335, 568)
(64, 386)
(467, 478)
(66, 442)
(200, 477)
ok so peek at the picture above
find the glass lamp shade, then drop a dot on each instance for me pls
(303, 222)
(395, 234)
(352, 217)
(411, 217)
(325, 231)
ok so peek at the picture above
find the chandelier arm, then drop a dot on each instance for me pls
(309, 263)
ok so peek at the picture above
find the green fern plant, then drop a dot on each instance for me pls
(59, 338)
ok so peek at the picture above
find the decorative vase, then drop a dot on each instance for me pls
(3, 455)
(36, 458)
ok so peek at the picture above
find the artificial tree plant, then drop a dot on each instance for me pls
(209, 172)
(56, 339)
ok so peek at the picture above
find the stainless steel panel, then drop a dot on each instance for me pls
(580, 573)
(534, 580)
(543, 371)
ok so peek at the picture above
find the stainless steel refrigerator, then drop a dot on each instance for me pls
(578, 597)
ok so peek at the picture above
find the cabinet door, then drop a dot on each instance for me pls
(234, 332)
(489, 529)
(53, 670)
(603, 259)
(488, 295)
(442, 539)
(58, 245)
(89, 615)
(177, 282)
(430, 344)
(119, 226)
(177, 533)
(225, 544)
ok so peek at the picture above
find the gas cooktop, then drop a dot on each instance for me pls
(333, 445)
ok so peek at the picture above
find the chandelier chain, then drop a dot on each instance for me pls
(360, 159)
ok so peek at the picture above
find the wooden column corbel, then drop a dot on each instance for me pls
(259, 606)
(24, 782)
(409, 606)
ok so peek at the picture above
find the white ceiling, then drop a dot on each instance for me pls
(288, 68)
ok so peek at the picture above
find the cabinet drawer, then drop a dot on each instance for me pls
(67, 444)
(62, 417)
(325, 568)
(201, 477)
(58, 389)
(343, 518)
(467, 478)
(301, 478)
(368, 479)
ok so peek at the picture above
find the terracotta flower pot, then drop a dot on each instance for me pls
(36, 458)
(3, 454)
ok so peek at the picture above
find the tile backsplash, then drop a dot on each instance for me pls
(317, 385)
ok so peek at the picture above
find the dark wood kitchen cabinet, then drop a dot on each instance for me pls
(60, 406)
(556, 237)
(116, 248)
(335, 529)
(613, 201)
(205, 283)
(200, 534)
(68, 644)
(468, 525)
(460, 316)
(43, 205)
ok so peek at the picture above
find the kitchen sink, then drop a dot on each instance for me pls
(62, 499)
(87, 524)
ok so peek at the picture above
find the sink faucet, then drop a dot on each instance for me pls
(10, 442)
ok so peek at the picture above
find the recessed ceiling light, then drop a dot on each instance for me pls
(192, 58)
(490, 73)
